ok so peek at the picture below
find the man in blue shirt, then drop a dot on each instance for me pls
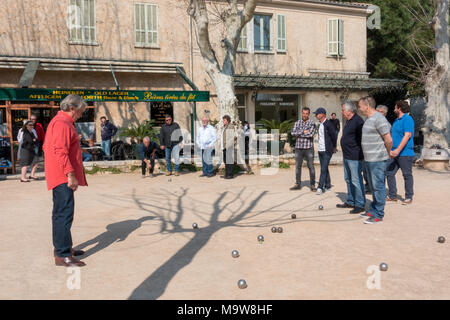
(402, 153)
(147, 150)
(108, 131)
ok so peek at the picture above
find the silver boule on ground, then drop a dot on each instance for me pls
(242, 284)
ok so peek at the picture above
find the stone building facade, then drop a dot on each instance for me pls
(292, 54)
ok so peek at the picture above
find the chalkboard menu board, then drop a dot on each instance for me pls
(158, 110)
(5, 153)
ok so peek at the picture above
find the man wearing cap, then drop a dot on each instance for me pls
(326, 147)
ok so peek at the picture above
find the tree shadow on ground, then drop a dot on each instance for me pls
(228, 210)
(237, 208)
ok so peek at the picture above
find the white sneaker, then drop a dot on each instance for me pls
(319, 191)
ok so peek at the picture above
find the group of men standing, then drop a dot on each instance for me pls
(171, 139)
(372, 146)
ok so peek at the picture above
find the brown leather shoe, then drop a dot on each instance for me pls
(68, 262)
(74, 252)
(391, 199)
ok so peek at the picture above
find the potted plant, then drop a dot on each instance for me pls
(284, 128)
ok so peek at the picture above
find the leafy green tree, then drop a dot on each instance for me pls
(403, 46)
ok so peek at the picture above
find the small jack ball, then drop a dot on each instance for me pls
(441, 239)
(321, 207)
(294, 216)
(383, 266)
(274, 229)
(280, 230)
(194, 225)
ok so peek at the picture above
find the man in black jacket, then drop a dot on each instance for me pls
(326, 148)
(353, 159)
(147, 150)
(108, 131)
(170, 140)
(336, 123)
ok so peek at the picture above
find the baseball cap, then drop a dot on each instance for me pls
(320, 110)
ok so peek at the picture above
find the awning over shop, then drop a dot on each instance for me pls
(97, 65)
(35, 94)
(259, 81)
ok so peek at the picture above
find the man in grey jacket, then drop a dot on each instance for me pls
(170, 140)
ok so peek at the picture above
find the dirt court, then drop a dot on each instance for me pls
(140, 243)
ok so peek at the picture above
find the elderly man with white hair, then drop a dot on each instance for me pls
(353, 159)
(64, 172)
(206, 138)
(383, 110)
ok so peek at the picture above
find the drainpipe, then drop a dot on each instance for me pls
(191, 66)
(195, 88)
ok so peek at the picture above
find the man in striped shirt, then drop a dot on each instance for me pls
(304, 131)
(376, 144)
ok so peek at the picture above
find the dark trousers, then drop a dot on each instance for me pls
(405, 164)
(228, 159)
(308, 156)
(324, 180)
(62, 218)
(144, 166)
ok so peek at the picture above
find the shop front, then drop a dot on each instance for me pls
(17, 105)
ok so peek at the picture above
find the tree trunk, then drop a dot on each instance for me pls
(436, 131)
(222, 76)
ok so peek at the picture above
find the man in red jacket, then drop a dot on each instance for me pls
(64, 172)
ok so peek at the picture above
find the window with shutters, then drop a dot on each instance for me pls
(335, 35)
(281, 33)
(243, 43)
(81, 22)
(146, 25)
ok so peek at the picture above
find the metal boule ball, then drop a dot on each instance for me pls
(170, 180)
(293, 216)
(441, 239)
(235, 254)
(242, 284)
(274, 229)
(321, 207)
(280, 230)
(383, 266)
(260, 238)
(194, 225)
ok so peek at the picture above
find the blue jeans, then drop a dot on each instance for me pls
(62, 218)
(175, 151)
(324, 180)
(355, 185)
(377, 175)
(207, 166)
(405, 164)
(106, 148)
(86, 156)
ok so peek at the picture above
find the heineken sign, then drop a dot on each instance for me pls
(103, 95)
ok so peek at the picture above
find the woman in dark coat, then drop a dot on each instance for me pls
(27, 155)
